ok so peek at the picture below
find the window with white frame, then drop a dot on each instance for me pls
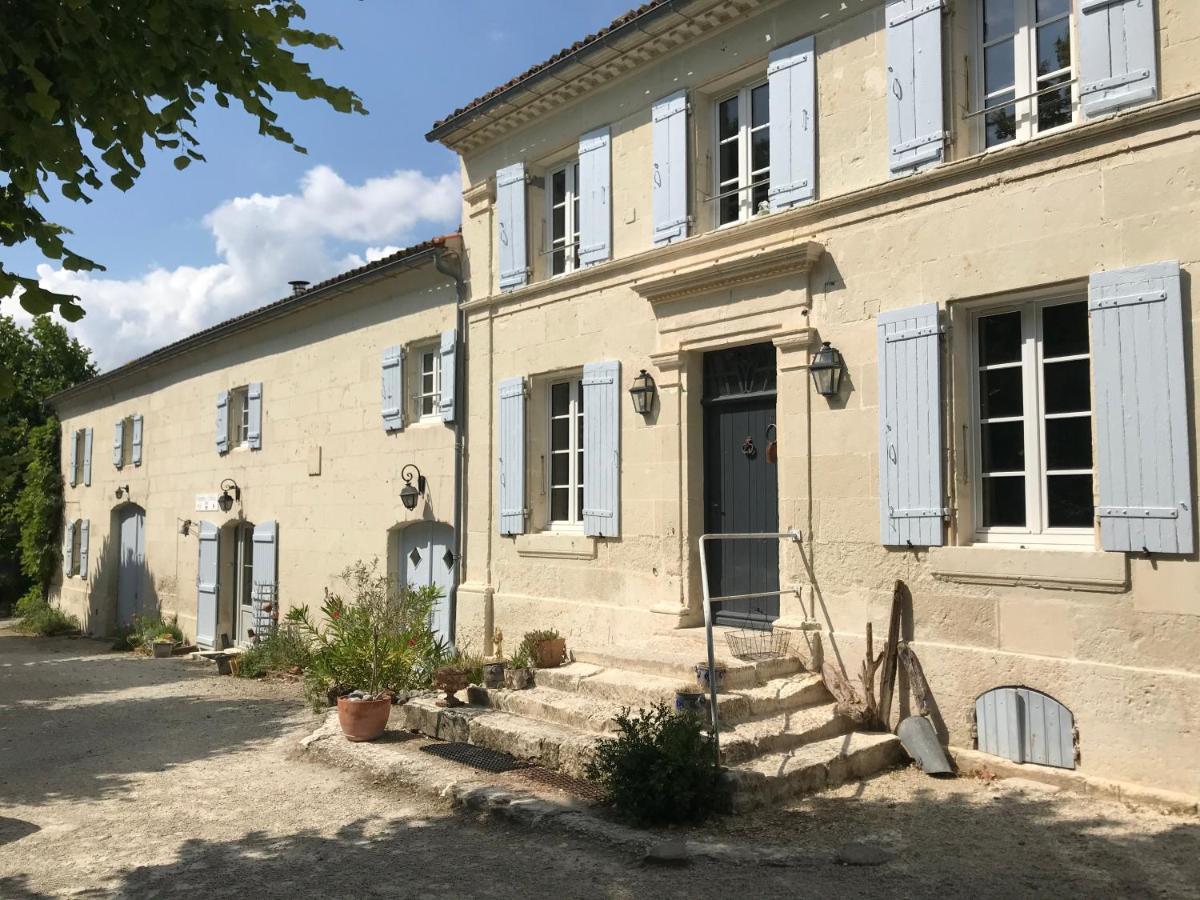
(1033, 423)
(80, 439)
(76, 548)
(127, 441)
(239, 416)
(743, 153)
(1027, 71)
(563, 214)
(428, 382)
(566, 454)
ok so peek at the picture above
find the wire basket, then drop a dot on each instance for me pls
(753, 645)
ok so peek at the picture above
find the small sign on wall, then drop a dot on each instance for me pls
(206, 502)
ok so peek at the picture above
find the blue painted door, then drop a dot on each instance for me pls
(426, 551)
(131, 571)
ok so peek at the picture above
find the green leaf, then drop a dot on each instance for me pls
(182, 162)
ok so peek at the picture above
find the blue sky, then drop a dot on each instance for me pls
(186, 249)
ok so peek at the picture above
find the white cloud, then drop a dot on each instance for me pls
(262, 242)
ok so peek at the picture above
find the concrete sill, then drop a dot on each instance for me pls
(556, 546)
(1052, 569)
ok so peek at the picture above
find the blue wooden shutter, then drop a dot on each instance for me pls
(1118, 65)
(511, 468)
(392, 393)
(74, 457)
(85, 526)
(916, 120)
(206, 586)
(265, 559)
(446, 400)
(223, 422)
(137, 440)
(68, 548)
(595, 193)
(87, 457)
(670, 172)
(1141, 407)
(601, 448)
(791, 73)
(911, 496)
(254, 399)
(510, 226)
(1025, 726)
(118, 448)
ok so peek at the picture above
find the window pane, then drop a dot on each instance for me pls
(558, 186)
(1004, 447)
(560, 468)
(558, 262)
(1067, 386)
(1054, 109)
(728, 162)
(560, 398)
(1054, 47)
(1048, 9)
(760, 106)
(560, 434)
(558, 223)
(727, 118)
(1000, 125)
(1069, 501)
(760, 150)
(579, 502)
(998, 66)
(1000, 393)
(1064, 330)
(729, 208)
(1004, 501)
(759, 196)
(579, 397)
(997, 18)
(1069, 443)
(1000, 339)
(560, 504)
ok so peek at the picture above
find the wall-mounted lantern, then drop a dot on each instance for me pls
(226, 500)
(642, 392)
(827, 367)
(122, 491)
(409, 494)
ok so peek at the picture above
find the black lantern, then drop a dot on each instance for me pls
(225, 501)
(826, 369)
(642, 393)
(409, 494)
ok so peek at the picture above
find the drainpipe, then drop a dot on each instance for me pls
(451, 267)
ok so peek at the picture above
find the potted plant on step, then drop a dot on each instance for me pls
(450, 679)
(546, 648)
(520, 671)
(690, 698)
(702, 676)
(494, 673)
(163, 645)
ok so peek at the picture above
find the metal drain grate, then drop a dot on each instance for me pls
(476, 757)
(583, 789)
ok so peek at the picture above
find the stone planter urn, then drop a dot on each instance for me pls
(493, 674)
(363, 720)
(549, 654)
(450, 680)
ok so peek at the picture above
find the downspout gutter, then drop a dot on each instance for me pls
(450, 265)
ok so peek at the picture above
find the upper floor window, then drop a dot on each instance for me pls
(566, 453)
(429, 383)
(239, 416)
(564, 219)
(80, 456)
(127, 441)
(1027, 68)
(1033, 423)
(743, 153)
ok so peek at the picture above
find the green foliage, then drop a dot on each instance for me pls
(40, 618)
(123, 74)
(40, 506)
(287, 648)
(145, 630)
(661, 768)
(470, 662)
(382, 641)
(521, 659)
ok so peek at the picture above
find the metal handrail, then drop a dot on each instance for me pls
(790, 535)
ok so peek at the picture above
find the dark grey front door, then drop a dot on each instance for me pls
(741, 485)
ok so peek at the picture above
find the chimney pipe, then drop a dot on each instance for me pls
(299, 286)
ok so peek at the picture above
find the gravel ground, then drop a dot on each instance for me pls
(132, 777)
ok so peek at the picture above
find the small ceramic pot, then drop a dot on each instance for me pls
(520, 679)
(493, 674)
(550, 653)
(363, 720)
(691, 700)
(702, 677)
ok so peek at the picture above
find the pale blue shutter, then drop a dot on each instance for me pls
(84, 529)
(137, 440)
(68, 548)
(595, 191)
(1141, 407)
(446, 401)
(510, 226)
(74, 457)
(791, 74)
(206, 586)
(223, 422)
(670, 172)
(601, 448)
(254, 399)
(87, 457)
(911, 496)
(1118, 65)
(265, 561)
(392, 392)
(511, 458)
(916, 120)
(1025, 726)
(118, 448)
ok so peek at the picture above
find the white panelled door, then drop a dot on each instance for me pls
(425, 552)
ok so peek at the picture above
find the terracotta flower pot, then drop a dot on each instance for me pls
(363, 720)
(163, 649)
(550, 653)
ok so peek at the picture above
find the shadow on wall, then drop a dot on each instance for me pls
(107, 578)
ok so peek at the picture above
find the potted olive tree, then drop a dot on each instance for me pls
(546, 648)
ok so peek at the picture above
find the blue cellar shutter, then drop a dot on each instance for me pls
(87, 457)
(392, 391)
(670, 173)
(791, 72)
(511, 468)
(446, 401)
(206, 586)
(137, 440)
(74, 450)
(1118, 64)
(916, 120)
(118, 448)
(1025, 726)
(223, 422)
(510, 226)
(911, 495)
(84, 530)
(254, 399)
(601, 448)
(1143, 459)
(595, 197)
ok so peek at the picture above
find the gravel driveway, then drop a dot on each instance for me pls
(132, 777)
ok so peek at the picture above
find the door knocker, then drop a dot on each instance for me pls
(772, 444)
(748, 448)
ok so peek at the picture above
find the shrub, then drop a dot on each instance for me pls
(287, 648)
(40, 618)
(661, 769)
(145, 630)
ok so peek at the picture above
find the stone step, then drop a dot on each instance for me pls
(677, 661)
(777, 777)
(781, 732)
(549, 705)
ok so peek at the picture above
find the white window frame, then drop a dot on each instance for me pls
(574, 521)
(1035, 438)
(127, 442)
(558, 243)
(746, 176)
(1026, 80)
(430, 353)
(80, 439)
(239, 417)
(76, 548)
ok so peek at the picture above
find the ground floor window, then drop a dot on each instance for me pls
(566, 453)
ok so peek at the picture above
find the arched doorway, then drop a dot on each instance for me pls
(131, 568)
(423, 554)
